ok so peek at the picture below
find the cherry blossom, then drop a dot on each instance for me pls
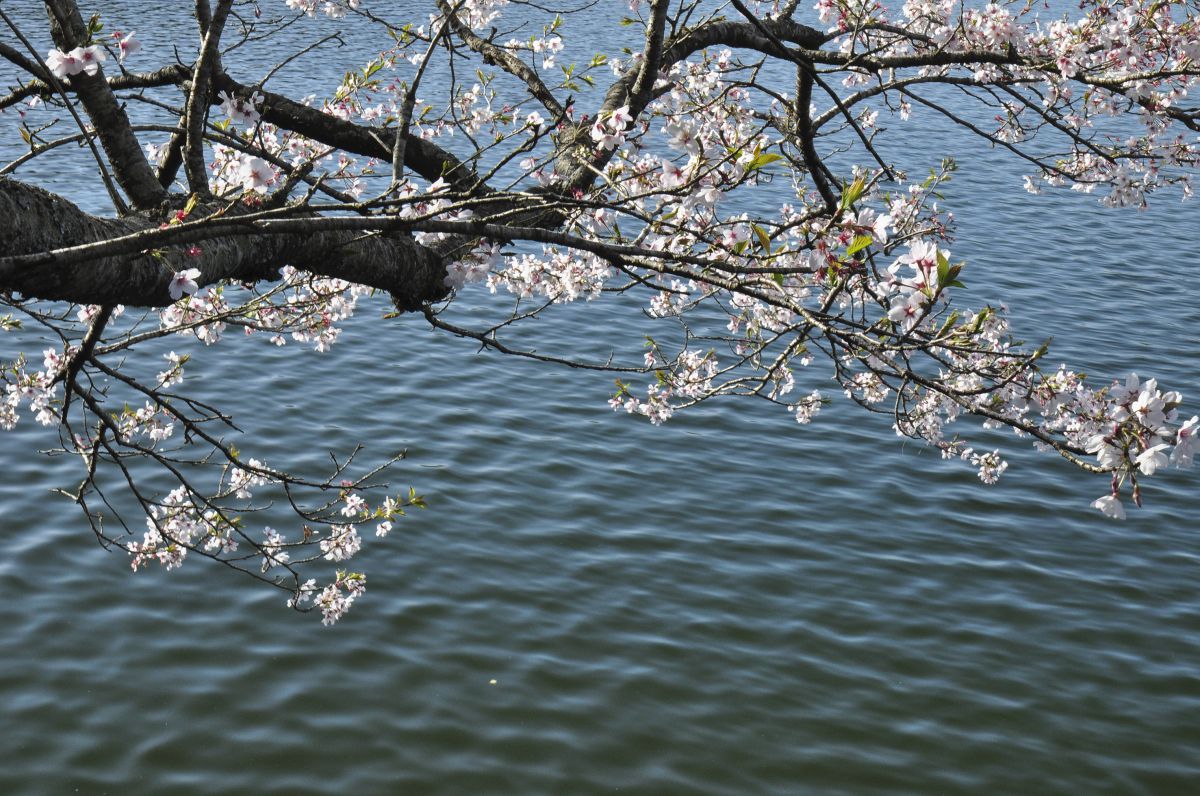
(241, 111)
(256, 174)
(1111, 506)
(126, 45)
(184, 283)
(79, 60)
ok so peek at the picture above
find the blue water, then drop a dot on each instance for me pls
(728, 604)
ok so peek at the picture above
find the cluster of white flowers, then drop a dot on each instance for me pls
(177, 525)
(200, 313)
(1133, 436)
(335, 599)
(548, 47)
(243, 479)
(474, 266)
(687, 378)
(238, 171)
(609, 132)
(85, 60)
(343, 542)
(335, 9)
(37, 389)
(243, 112)
(274, 549)
(556, 274)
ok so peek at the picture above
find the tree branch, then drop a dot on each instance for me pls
(199, 99)
(424, 157)
(130, 167)
(498, 56)
(58, 252)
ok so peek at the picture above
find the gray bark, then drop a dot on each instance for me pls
(45, 239)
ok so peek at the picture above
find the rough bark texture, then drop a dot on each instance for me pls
(124, 152)
(37, 222)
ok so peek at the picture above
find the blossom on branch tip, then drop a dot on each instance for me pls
(126, 45)
(620, 118)
(1185, 443)
(241, 111)
(906, 309)
(61, 64)
(81, 59)
(183, 283)
(605, 139)
(1111, 506)
(255, 174)
(1149, 460)
(672, 176)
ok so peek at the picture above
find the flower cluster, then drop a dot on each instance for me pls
(177, 525)
(81, 60)
(242, 111)
(335, 599)
(37, 389)
(334, 9)
(1133, 437)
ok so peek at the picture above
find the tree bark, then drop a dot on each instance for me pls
(108, 116)
(45, 239)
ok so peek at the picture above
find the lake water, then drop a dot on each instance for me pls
(730, 604)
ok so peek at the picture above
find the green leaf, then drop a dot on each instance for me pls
(858, 244)
(853, 192)
(762, 159)
(948, 325)
(764, 240)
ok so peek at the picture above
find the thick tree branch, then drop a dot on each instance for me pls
(651, 54)
(132, 171)
(170, 75)
(118, 260)
(198, 101)
(496, 55)
(15, 56)
(576, 159)
(424, 157)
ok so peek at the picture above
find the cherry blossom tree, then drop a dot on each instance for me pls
(235, 207)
